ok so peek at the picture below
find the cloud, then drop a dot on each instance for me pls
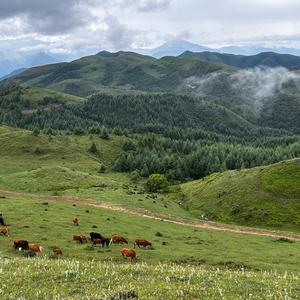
(47, 17)
(152, 5)
(90, 25)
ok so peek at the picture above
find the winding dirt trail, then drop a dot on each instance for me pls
(149, 215)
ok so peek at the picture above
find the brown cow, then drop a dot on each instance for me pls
(126, 252)
(96, 242)
(80, 238)
(117, 239)
(4, 230)
(21, 245)
(104, 242)
(75, 221)
(143, 243)
(35, 248)
(57, 251)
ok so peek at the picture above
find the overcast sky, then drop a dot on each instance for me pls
(83, 26)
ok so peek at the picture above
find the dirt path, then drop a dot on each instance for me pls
(149, 215)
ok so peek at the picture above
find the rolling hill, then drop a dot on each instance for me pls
(264, 196)
(125, 71)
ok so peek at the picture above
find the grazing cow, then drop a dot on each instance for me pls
(143, 243)
(126, 252)
(21, 245)
(80, 238)
(35, 248)
(117, 239)
(75, 221)
(95, 236)
(4, 230)
(57, 251)
(96, 242)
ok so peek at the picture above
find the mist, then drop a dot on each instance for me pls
(252, 86)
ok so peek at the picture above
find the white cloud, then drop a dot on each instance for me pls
(91, 25)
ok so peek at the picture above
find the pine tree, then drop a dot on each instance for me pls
(93, 149)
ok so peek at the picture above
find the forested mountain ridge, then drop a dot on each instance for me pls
(268, 59)
(129, 71)
(126, 71)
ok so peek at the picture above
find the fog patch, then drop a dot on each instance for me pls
(252, 86)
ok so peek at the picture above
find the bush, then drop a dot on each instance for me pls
(135, 176)
(36, 132)
(104, 134)
(93, 148)
(102, 169)
(156, 183)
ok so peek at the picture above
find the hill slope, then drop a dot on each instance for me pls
(265, 196)
(121, 70)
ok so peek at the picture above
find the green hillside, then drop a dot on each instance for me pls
(124, 71)
(265, 196)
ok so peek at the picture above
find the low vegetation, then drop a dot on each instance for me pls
(108, 280)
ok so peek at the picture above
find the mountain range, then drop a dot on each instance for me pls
(10, 63)
(177, 47)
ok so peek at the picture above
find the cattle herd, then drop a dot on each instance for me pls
(95, 239)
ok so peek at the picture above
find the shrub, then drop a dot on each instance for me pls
(102, 168)
(93, 149)
(156, 183)
(36, 132)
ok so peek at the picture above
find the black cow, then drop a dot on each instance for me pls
(21, 245)
(95, 236)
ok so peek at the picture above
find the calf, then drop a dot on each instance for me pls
(105, 242)
(75, 221)
(126, 252)
(4, 230)
(57, 251)
(117, 239)
(143, 243)
(35, 248)
(80, 238)
(21, 245)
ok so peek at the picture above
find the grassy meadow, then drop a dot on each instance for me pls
(70, 279)
(266, 197)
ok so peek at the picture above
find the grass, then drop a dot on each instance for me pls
(19, 151)
(50, 225)
(64, 279)
(35, 95)
(64, 166)
(266, 197)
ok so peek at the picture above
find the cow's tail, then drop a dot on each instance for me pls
(111, 241)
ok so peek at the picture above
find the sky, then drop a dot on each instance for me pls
(88, 26)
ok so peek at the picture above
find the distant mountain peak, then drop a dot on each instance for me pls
(177, 47)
